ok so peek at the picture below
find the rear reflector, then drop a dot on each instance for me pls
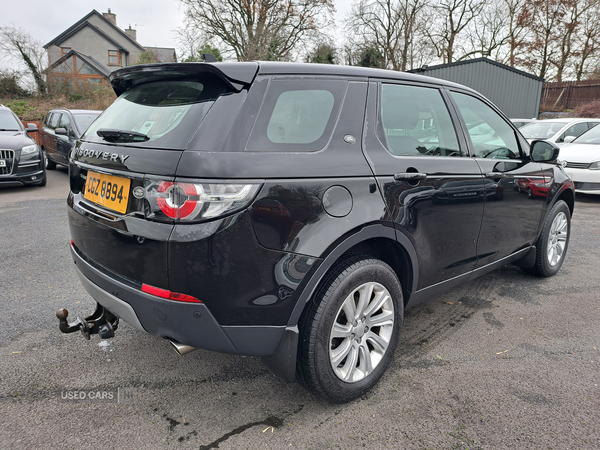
(163, 293)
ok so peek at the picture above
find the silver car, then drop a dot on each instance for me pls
(558, 131)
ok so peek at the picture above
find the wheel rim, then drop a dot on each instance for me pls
(361, 332)
(557, 240)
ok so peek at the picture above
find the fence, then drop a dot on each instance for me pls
(569, 94)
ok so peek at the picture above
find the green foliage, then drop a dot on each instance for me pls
(371, 57)
(322, 54)
(206, 48)
(75, 97)
(9, 86)
(148, 57)
(145, 58)
(20, 107)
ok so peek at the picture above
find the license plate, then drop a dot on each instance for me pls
(2, 163)
(107, 190)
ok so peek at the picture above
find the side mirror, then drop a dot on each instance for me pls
(569, 139)
(544, 151)
(61, 131)
(31, 127)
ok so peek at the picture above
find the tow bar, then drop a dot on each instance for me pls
(102, 322)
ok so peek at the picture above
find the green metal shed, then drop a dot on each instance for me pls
(515, 92)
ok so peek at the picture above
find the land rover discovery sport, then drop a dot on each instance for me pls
(294, 211)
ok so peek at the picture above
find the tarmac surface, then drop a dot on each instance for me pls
(508, 361)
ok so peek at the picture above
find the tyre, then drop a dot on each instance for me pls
(529, 193)
(349, 332)
(50, 165)
(552, 245)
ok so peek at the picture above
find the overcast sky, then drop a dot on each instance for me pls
(154, 21)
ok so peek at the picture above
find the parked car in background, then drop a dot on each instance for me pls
(60, 131)
(21, 159)
(558, 131)
(294, 211)
(581, 160)
(521, 122)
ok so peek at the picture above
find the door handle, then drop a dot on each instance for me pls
(410, 176)
(495, 175)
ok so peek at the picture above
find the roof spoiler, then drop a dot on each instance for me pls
(236, 74)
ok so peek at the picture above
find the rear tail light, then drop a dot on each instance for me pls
(192, 202)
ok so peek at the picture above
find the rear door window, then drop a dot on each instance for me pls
(416, 122)
(297, 115)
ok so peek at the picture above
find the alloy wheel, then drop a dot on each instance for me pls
(361, 332)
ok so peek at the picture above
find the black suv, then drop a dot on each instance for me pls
(60, 130)
(293, 211)
(21, 160)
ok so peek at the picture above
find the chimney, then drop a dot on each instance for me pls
(110, 17)
(131, 33)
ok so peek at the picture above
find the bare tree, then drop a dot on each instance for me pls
(19, 45)
(487, 33)
(566, 34)
(259, 29)
(517, 29)
(587, 41)
(544, 19)
(452, 17)
(390, 26)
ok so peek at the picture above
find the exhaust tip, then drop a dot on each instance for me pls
(180, 348)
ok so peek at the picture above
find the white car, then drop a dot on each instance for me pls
(558, 131)
(581, 160)
(521, 122)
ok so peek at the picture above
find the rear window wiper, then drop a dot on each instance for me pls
(7, 129)
(114, 135)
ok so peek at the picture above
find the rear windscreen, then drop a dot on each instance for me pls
(161, 114)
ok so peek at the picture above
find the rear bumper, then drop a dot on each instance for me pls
(188, 323)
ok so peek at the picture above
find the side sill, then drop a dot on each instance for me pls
(426, 293)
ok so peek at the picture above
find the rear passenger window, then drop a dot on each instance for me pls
(416, 122)
(297, 115)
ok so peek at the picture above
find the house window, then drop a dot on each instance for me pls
(64, 51)
(114, 57)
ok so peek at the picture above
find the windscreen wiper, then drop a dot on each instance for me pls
(114, 135)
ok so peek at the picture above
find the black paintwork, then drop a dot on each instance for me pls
(437, 221)
(58, 143)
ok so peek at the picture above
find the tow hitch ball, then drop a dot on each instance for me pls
(101, 322)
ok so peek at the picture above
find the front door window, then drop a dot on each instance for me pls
(491, 136)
